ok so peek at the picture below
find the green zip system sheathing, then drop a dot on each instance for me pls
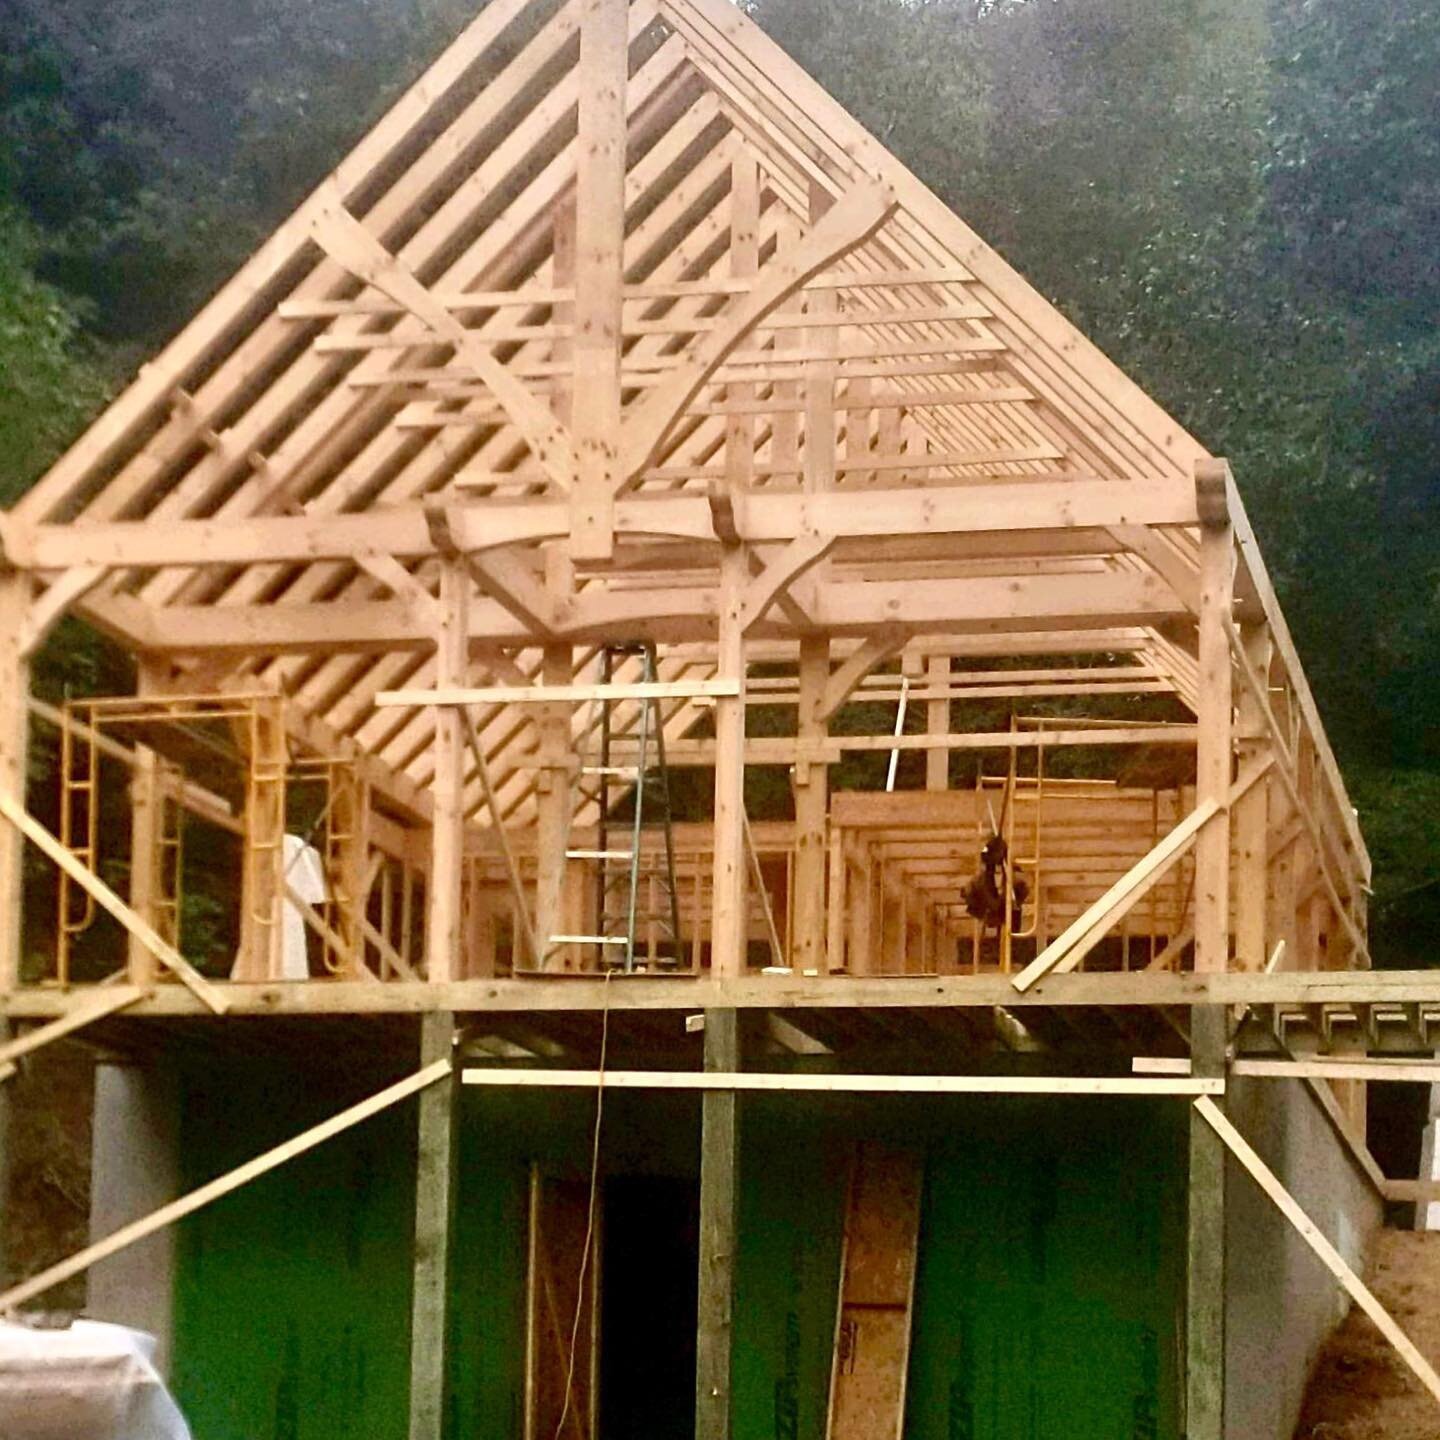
(1047, 1301)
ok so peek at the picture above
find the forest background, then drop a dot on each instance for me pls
(1239, 200)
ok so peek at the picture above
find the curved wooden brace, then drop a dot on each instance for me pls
(850, 222)
(876, 650)
(781, 573)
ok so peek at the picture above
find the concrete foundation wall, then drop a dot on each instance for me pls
(1282, 1302)
(135, 1169)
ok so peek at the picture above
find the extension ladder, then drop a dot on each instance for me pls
(635, 896)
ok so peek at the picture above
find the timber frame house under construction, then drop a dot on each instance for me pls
(616, 387)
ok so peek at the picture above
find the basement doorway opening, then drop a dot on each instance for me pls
(650, 1258)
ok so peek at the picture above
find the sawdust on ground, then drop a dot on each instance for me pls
(1361, 1389)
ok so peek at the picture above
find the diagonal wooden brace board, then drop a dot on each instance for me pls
(350, 244)
(497, 819)
(774, 581)
(1328, 1255)
(1066, 951)
(96, 1006)
(1068, 948)
(108, 900)
(128, 1235)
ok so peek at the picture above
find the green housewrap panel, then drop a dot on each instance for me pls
(1049, 1280)
(792, 1191)
(292, 1316)
(502, 1134)
(1051, 1274)
(292, 1294)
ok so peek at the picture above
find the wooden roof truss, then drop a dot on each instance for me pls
(618, 326)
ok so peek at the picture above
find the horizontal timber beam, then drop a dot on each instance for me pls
(402, 530)
(781, 992)
(846, 1084)
(970, 605)
(760, 750)
(567, 694)
(1418, 1072)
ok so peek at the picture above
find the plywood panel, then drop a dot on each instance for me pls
(872, 1341)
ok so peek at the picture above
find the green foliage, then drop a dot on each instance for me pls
(49, 381)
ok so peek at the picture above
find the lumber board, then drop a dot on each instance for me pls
(436, 1186)
(839, 992)
(400, 529)
(1414, 1072)
(15, 596)
(704, 1080)
(562, 694)
(1315, 1238)
(1205, 1241)
(719, 1230)
(96, 1005)
(1067, 949)
(877, 1291)
(223, 1185)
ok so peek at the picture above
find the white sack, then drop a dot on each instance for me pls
(90, 1382)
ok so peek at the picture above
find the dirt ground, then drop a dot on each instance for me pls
(1363, 1390)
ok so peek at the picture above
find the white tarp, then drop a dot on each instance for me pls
(305, 875)
(89, 1382)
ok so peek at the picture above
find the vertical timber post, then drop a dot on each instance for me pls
(730, 912)
(937, 722)
(15, 589)
(434, 1221)
(1213, 748)
(719, 1223)
(554, 781)
(729, 918)
(812, 776)
(599, 249)
(147, 819)
(14, 749)
(443, 933)
(1251, 820)
(1205, 1257)
(811, 803)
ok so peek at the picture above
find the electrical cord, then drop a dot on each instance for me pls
(590, 1217)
